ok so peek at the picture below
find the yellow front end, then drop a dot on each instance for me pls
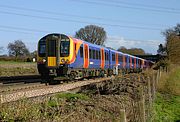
(51, 62)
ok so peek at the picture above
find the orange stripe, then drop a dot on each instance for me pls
(102, 58)
(116, 59)
(74, 54)
(86, 56)
(135, 63)
(76, 43)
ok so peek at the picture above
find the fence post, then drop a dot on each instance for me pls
(153, 86)
(149, 99)
(123, 115)
(1, 100)
(142, 106)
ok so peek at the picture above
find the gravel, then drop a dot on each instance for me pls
(47, 90)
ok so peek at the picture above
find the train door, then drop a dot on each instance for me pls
(52, 52)
(102, 58)
(86, 56)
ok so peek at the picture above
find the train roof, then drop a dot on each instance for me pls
(94, 45)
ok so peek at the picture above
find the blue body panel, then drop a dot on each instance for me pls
(95, 63)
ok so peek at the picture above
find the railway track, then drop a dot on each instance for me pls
(19, 79)
(19, 83)
(41, 89)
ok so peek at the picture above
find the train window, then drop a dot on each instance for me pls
(51, 47)
(81, 51)
(42, 48)
(107, 56)
(94, 54)
(75, 47)
(113, 57)
(97, 55)
(64, 49)
(120, 58)
(126, 59)
(90, 54)
(132, 60)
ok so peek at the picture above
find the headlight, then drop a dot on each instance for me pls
(44, 60)
(63, 60)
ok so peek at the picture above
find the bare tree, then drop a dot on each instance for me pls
(93, 34)
(18, 48)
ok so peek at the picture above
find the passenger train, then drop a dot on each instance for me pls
(62, 55)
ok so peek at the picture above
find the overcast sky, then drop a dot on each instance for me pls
(129, 23)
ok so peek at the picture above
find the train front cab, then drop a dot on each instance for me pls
(54, 55)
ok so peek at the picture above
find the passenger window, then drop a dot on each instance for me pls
(94, 54)
(81, 52)
(132, 60)
(107, 56)
(113, 57)
(90, 53)
(97, 55)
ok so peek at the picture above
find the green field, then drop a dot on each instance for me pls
(167, 103)
(12, 68)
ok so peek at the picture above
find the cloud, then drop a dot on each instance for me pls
(149, 46)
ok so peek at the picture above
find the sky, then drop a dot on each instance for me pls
(129, 23)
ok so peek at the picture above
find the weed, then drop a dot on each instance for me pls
(72, 96)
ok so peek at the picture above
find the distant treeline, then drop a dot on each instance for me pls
(19, 59)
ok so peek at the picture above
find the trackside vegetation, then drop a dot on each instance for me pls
(167, 102)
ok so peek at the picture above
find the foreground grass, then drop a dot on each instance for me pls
(61, 107)
(167, 108)
(167, 102)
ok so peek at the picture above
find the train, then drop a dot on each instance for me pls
(60, 55)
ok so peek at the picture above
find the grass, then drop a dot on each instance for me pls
(72, 96)
(12, 68)
(170, 82)
(167, 102)
(14, 62)
(167, 108)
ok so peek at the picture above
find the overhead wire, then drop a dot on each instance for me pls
(72, 15)
(32, 31)
(140, 4)
(78, 21)
(125, 6)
